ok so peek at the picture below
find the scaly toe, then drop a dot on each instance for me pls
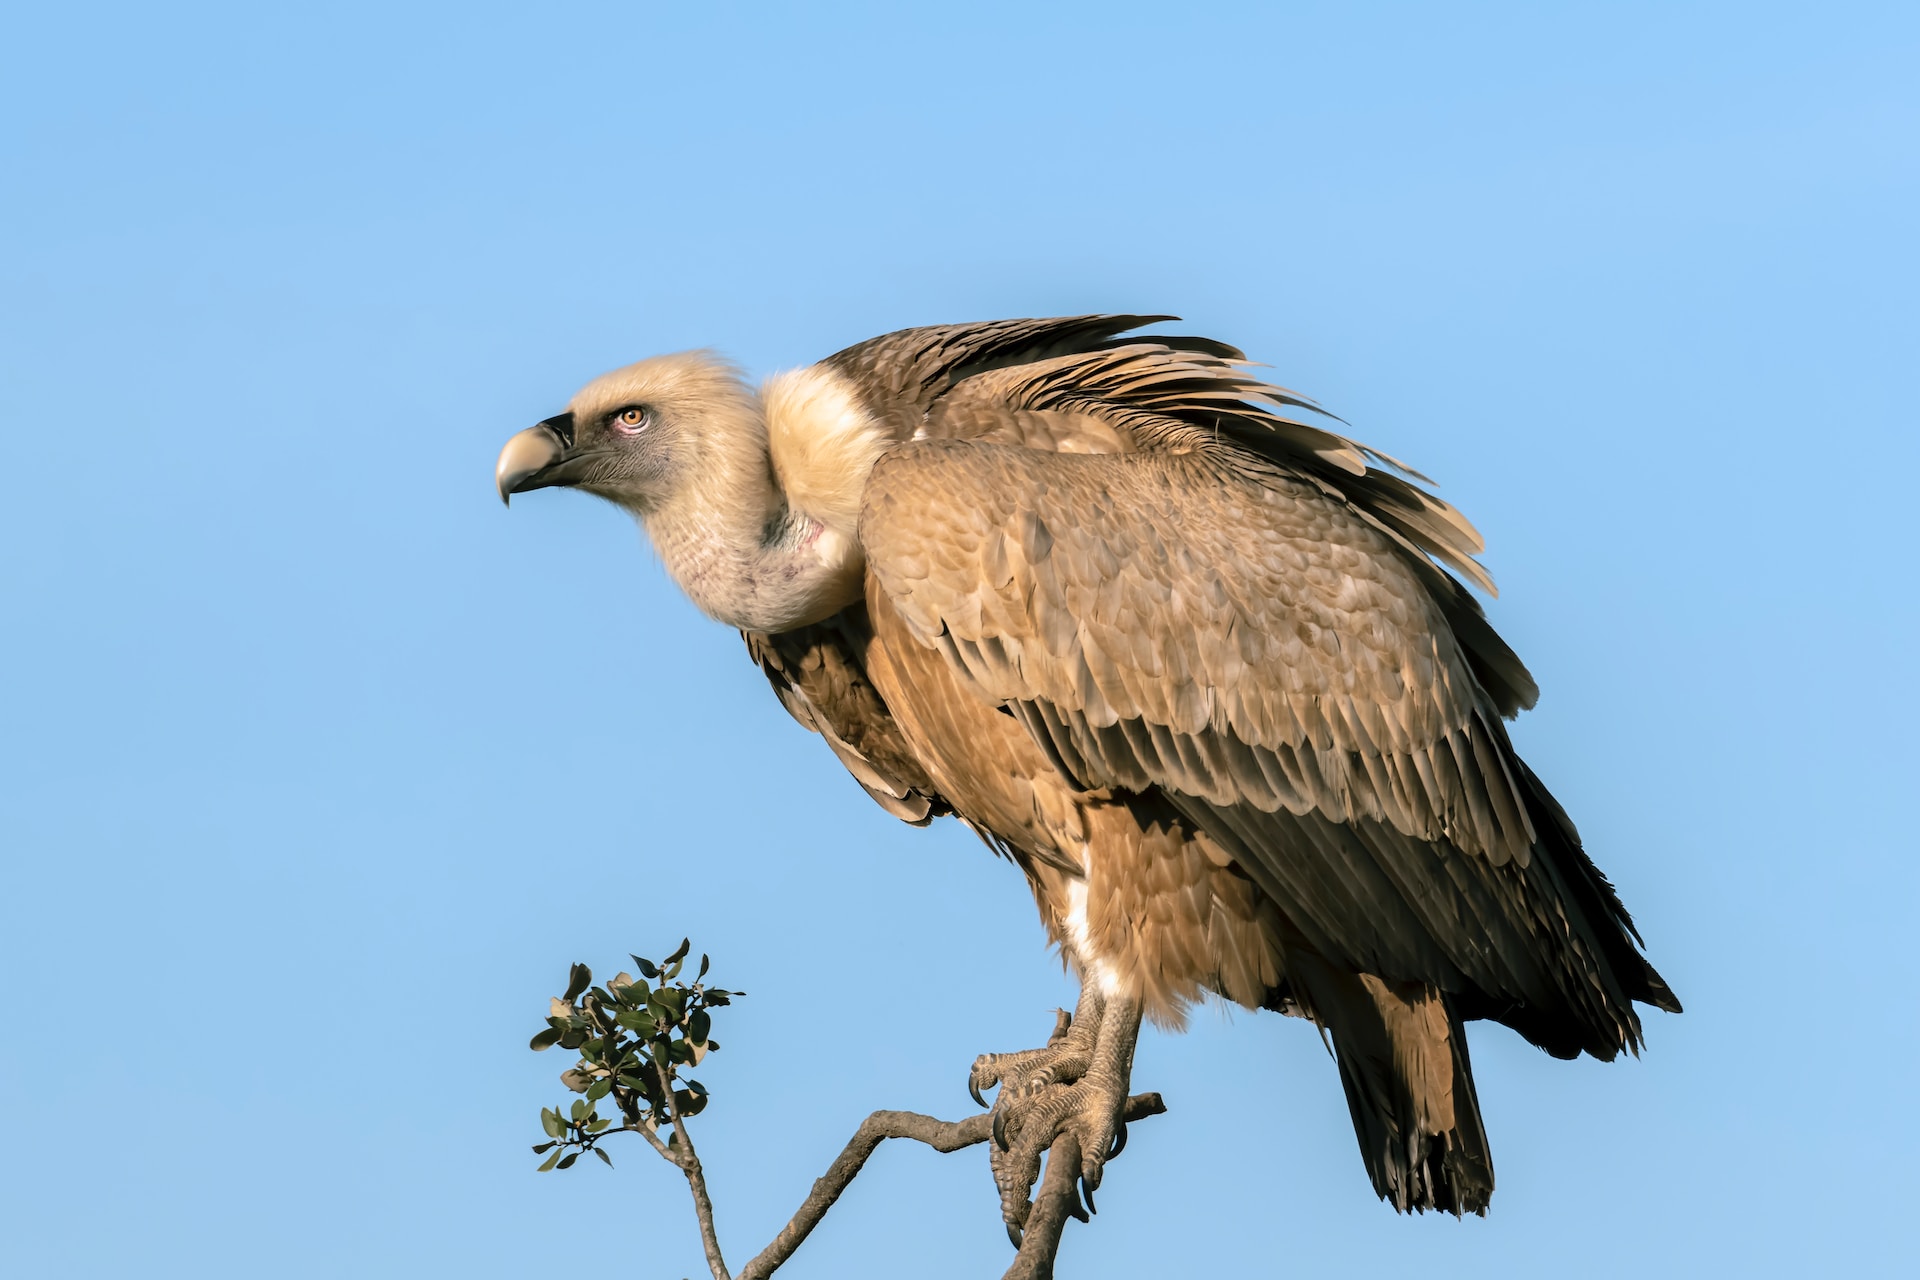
(1026, 1125)
(1027, 1072)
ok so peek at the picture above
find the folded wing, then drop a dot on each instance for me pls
(1196, 619)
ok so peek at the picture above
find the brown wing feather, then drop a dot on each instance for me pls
(904, 372)
(1248, 641)
(818, 675)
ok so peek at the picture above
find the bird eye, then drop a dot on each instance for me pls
(630, 419)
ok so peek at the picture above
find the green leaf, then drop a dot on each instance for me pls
(544, 1146)
(646, 967)
(573, 1039)
(599, 1125)
(551, 1122)
(670, 967)
(579, 1110)
(599, 1089)
(713, 1046)
(605, 1158)
(579, 978)
(544, 1040)
(720, 999)
(550, 1161)
(566, 1161)
(698, 1025)
(634, 1020)
(703, 967)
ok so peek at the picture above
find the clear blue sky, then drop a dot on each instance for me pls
(307, 743)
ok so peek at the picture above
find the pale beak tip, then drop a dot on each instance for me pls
(525, 456)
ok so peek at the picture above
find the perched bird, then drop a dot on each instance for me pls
(1185, 653)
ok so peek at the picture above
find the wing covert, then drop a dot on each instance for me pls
(1183, 621)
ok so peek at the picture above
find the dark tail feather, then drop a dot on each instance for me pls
(1403, 1062)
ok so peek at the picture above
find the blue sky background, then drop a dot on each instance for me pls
(308, 745)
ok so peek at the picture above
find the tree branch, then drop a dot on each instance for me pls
(653, 1140)
(689, 1163)
(1049, 1213)
(1056, 1201)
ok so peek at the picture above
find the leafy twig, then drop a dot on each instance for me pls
(633, 1039)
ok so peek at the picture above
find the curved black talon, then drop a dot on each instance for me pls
(1081, 1212)
(1015, 1234)
(974, 1089)
(1119, 1141)
(1086, 1194)
(1000, 1131)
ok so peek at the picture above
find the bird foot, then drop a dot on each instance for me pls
(1076, 1084)
(1027, 1125)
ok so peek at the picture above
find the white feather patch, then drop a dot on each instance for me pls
(1093, 968)
(823, 443)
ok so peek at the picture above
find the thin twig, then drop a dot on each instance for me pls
(689, 1163)
(941, 1135)
(653, 1140)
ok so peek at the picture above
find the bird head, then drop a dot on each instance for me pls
(636, 436)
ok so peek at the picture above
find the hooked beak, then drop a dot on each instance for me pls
(533, 459)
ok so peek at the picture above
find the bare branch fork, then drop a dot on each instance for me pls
(668, 1028)
(1058, 1200)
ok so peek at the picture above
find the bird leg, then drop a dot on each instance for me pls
(1078, 1083)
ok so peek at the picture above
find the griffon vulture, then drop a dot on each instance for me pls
(1189, 656)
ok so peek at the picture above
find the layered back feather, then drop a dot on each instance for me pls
(1180, 391)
